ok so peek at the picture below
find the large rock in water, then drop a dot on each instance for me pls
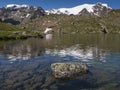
(68, 70)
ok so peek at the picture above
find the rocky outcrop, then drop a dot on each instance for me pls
(84, 12)
(104, 29)
(100, 9)
(68, 70)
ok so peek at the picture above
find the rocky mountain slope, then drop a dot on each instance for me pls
(91, 19)
(15, 14)
(87, 9)
(77, 24)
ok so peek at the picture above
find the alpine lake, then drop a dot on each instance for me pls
(25, 64)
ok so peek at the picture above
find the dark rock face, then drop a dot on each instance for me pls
(84, 12)
(12, 21)
(21, 14)
(68, 70)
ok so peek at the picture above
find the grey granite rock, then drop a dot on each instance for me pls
(68, 70)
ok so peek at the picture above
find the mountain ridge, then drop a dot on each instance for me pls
(16, 5)
(91, 8)
(15, 14)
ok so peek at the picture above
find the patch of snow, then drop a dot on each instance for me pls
(106, 5)
(27, 15)
(47, 30)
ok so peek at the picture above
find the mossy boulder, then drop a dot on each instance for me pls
(68, 70)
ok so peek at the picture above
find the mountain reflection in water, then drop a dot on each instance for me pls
(78, 54)
(76, 47)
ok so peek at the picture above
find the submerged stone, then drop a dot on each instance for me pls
(68, 70)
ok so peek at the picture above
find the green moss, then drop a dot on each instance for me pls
(8, 27)
(8, 32)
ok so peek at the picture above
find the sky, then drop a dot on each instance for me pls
(50, 4)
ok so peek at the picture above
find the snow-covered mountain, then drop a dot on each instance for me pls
(94, 9)
(16, 6)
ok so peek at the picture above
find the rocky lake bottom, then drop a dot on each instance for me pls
(25, 64)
